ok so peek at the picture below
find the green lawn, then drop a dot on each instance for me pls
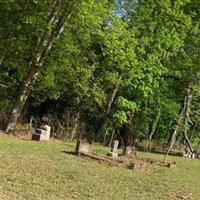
(44, 171)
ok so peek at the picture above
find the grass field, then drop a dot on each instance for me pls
(44, 171)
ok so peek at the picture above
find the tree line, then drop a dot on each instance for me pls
(103, 69)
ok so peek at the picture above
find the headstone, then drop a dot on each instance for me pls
(113, 153)
(171, 165)
(83, 146)
(42, 134)
(131, 165)
(191, 155)
(129, 150)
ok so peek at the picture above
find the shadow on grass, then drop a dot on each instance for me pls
(69, 153)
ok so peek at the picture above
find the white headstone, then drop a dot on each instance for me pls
(42, 134)
(113, 153)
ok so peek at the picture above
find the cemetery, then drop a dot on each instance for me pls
(99, 99)
(49, 170)
(127, 159)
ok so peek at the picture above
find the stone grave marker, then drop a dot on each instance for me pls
(129, 150)
(113, 153)
(83, 146)
(42, 133)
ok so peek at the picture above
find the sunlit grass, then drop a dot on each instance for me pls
(33, 170)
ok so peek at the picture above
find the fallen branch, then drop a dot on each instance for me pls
(4, 86)
(100, 159)
(124, 163)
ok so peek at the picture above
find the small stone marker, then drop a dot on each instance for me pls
(83, 146)
(113, 153)
(42, 134)
(191, 155)
(131, 165)
(129, 150)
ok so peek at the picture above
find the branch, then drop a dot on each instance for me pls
(4, 86)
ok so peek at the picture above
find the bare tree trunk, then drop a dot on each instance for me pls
(37, 62)
(187, 119)
(153, 129)
(31, 122)
(2, 57)
(104, 138)
(22, 97)
(166, 137)
(109, 105)
(74, 129)
(173, 138)
(113, 95)
(184, 117)
(112, 99)
(195, 125)
(186, 136)
(110, 102)
(111, 139)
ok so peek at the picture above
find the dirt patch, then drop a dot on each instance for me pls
(158, 162)
(120, 162)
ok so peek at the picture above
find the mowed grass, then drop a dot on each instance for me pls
(31, 170)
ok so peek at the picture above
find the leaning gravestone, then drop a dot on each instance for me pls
(113, 153)
(42, 133)
(83, 146)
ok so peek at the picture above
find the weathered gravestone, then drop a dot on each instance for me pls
(42, 133)
(83, 146)
(113, 153)
(129, 151)
(191, 155)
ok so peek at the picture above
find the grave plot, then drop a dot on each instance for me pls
(132, 161)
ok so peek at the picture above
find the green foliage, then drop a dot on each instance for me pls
(120, 118)
(125, 104)
(116, 63)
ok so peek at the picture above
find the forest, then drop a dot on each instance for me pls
(103, 70)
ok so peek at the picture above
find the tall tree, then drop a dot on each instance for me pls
(58, 14)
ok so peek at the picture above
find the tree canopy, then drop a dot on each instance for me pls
(116, 67)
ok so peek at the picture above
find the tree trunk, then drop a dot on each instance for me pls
(37, 63)
(187, 119)
(111, 139)
(173, 138)
(194, 128)
(184, 118)
(104, 138)
(112, 97)
(108, 107)
(153, 129)
(74, 129)
(22, 97)
(186, 137)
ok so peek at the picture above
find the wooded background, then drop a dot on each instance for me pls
(126, 69)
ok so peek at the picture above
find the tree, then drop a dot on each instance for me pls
(56, 20)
